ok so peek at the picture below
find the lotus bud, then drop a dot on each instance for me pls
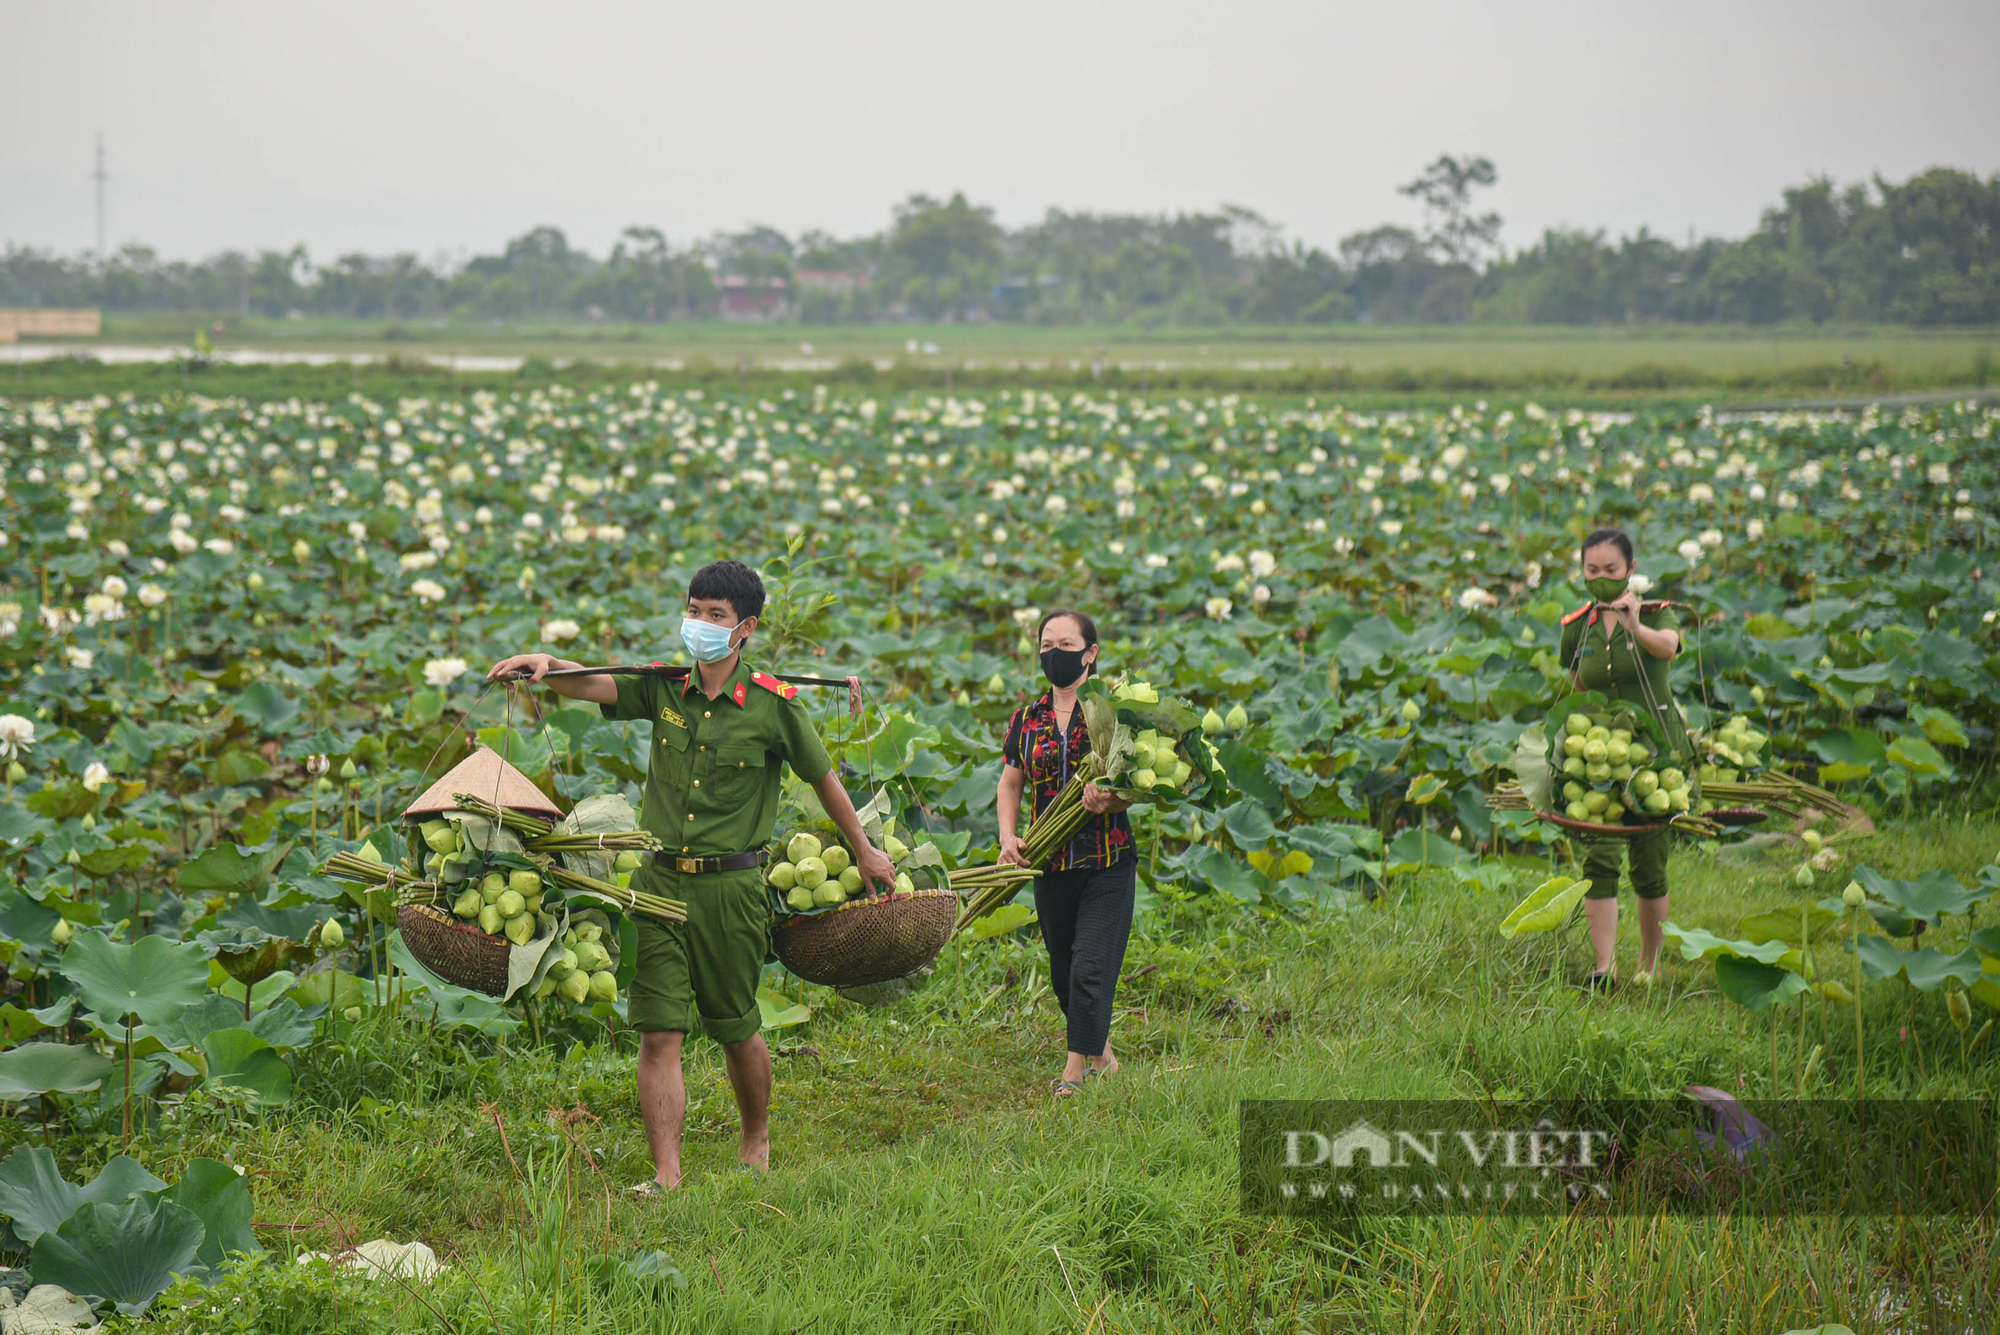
(347, 769)
(782, 876)
(1238, 718)
(301, 550)
(962, 699)
(604, 986)
(1412, 711)
(1853, 896)
(524, 883)
(61, 934)
(1811, 839)
(1803, 876)
(1211, 722)
(575, 988)
(626, 861)
(256, 581)
(896, 849)
(351, 1014)
(16, 772)
(1642, 979)
(1959, 1009)
(72, 859)
(799, 899)
(1757, 694)
(995, 685)
(89, 821)
(836, 859)
(331, 937)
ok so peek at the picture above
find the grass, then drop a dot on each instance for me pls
(925, 1181)
(1634, 364)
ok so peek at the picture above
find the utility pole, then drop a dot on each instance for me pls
(100, 178)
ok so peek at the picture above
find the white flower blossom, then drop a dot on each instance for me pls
(427, 590)
(17, 734)
(1534, 574)
(182, 541)
(1690, 550)
(1640, 583)
(1055, 505)
(1754, 530)
(1262, 565)
(1700, 494)
(1710, 538)
(1392, 527)
(1260, 595)
(1229, 563)
(417, 560)
(1025, 617)
(561, 631)
(1475, 597)
(1217, 609)
(1155, 560)
(1938, 474)
(95, 775)
(117, 548)
(114, 587)
(220, 546)
(357, 530)
(80, 659)
(151, 595)
(444, 671)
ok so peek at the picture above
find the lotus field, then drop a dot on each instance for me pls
(238, 638)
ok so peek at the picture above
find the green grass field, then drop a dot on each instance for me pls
(1625, 363)
(925, 1181)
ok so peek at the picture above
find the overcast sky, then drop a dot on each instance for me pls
(444, 128)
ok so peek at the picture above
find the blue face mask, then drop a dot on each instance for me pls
(708, 642)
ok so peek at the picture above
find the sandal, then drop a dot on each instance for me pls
(650, 1189)
(1601, 981)
(751, 1169)
(1065, 1088)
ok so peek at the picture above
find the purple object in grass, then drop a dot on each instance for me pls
(1735, 1128)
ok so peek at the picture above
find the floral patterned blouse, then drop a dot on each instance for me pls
(1048, 756)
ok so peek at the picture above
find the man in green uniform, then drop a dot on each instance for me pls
(711, 797)
(1621, 648)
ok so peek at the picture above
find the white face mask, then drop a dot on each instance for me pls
(708, 642)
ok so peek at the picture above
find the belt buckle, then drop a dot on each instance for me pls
(688, 866)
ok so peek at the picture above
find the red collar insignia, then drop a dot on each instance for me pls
(738, 694)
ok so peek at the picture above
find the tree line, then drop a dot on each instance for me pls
(1925, 251)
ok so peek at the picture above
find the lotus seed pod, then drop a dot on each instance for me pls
(1596, 753)
(1238, 718)
(1573, 745)
(1854, 896)
(802, 846)
(782, 876)
(511, 904)
(61, 934)
(1211, 721)
(799, 900)
(604, 986)
(836, 859)
(1412, 711)
(809, 872)
(1959, 1009)
(1576, 725)
(331, 937)
(828, 894)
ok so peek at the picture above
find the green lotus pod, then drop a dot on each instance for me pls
(604, 986)
(799, 900)
(801, 847)
(1596, 752)
(511, 904)
(490, 920)
(1573, 791)
(521, 930)
(331, 937)
(836, 859)
(808, 871)
(829, 893)
(1644, 784)
(1573, 744)
(782, 876)
(1671, 779)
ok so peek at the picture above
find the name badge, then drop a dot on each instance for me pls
(669, 716)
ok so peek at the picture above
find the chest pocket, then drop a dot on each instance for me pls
(671, 749)
(739, 771)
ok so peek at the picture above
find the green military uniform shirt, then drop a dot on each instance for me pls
(712, 787)
(1613, 666)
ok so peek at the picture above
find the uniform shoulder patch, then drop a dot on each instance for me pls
(784, 690)
(1574, 615)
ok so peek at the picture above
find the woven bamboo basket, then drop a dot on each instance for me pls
(455, 951)
(866, 940)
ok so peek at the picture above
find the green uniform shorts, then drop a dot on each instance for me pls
(1648, 857)
(704, 969)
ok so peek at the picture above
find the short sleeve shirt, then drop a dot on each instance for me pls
(712, 786)
(1613, 667)
(1048, 755)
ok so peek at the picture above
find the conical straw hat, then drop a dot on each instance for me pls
(485, 775)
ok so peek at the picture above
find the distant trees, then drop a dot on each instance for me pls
(1925, 251)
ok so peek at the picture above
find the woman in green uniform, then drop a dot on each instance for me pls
(1620, 648)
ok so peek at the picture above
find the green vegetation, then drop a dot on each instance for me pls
(1925, 251)
(237, 637)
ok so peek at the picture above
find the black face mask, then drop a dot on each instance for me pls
(1063, 667)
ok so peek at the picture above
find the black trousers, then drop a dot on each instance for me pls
(1086, 920)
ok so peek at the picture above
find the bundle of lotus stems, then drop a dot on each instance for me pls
(1048, 834)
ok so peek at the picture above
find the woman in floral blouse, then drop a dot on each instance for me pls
(1084, 897)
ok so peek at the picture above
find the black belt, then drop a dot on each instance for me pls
(727, 862)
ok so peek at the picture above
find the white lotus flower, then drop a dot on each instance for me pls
(182, 541)
(77, 533)
(1938, 474)
(1392, 527)
(357, 530)
(1055, 505)
(1690, 550)
(1711, 538)
(1228, 563)
(1025, 617)
(114, 587)
(444, 671)
(1534, 574)
(1700, 494)
(561, 631)
(220, 546)
(1640, 583)
(428, 590)
(17, 734)
(95, 776)
(1754, 530)
(417, 560)
(1262, 565)
(1155, 560)
(117, 548)
(1477, 597)
(80, 659)
(1217, 609)
(151, 595)
(1260, 595)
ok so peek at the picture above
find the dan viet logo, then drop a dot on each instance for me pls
(1455, 1164)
